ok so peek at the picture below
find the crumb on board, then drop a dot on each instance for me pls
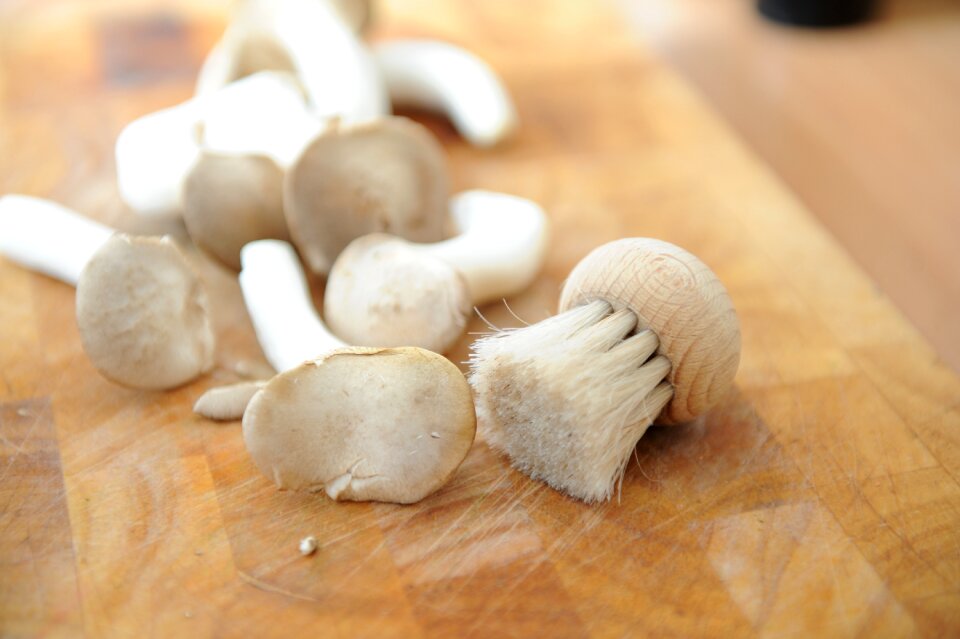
(308, 546)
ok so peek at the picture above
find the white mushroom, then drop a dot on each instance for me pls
(309, 38)
(141, 310)
(231, 200)
(263, 114)
(441, 77)
(385, 291)
(383, 176)
(358, 423)
(646, 332)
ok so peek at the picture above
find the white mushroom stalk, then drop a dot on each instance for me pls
(141, 310)
(288, 327)
(263, 114)
(500, 244)
(310, 38)
(384, 291)
(441, 77)
(49, 238)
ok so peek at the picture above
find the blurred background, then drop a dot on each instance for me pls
(862, 122)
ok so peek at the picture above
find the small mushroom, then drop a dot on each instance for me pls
(385, 291)
(438, 76)
(645, 332)
(231, 200)
(141, 310)
(357, 423)
(263, 114)
(383, 176)
(309, 38)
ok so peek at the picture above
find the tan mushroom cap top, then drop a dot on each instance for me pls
(363, 424)
(678, 297)
(386, 176)
(382, 292)
(230, 200)
(142, 314)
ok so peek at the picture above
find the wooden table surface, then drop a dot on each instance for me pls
(820, 499)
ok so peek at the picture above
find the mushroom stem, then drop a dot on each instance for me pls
(500, 243)
(277, 296)
(442, 77)
(47, 237)
(335, 68)
(263, 114)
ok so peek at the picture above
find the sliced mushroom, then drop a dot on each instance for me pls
(386, 291)
(384, 176)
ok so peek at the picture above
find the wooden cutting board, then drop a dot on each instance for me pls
(820, 499)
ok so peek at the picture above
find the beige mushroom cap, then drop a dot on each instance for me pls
(382, 176)
(231, 200)
(142, 314)
(363, 424)
(677, 296)
(382, 292)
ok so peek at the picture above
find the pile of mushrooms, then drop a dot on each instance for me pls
(288, 156)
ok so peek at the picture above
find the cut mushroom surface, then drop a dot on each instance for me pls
(384, 176)
(363, 424)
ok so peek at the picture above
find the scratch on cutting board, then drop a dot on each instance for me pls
(262, 585)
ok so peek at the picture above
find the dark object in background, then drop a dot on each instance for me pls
(817, 13)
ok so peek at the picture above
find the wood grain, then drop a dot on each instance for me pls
(821, 496)
(862, 123)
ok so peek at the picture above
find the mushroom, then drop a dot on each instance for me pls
(309, 38)
(646, 332)
(141, 310)
(263, 114)
(231, 200)
(438, 76)
(385, 291)
(388, 175)
(383, 424)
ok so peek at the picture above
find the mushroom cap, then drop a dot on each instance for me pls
(142, 314)
(363, 424)
(382, 291)
(382, 176)
(678, 297)
(230, 200)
